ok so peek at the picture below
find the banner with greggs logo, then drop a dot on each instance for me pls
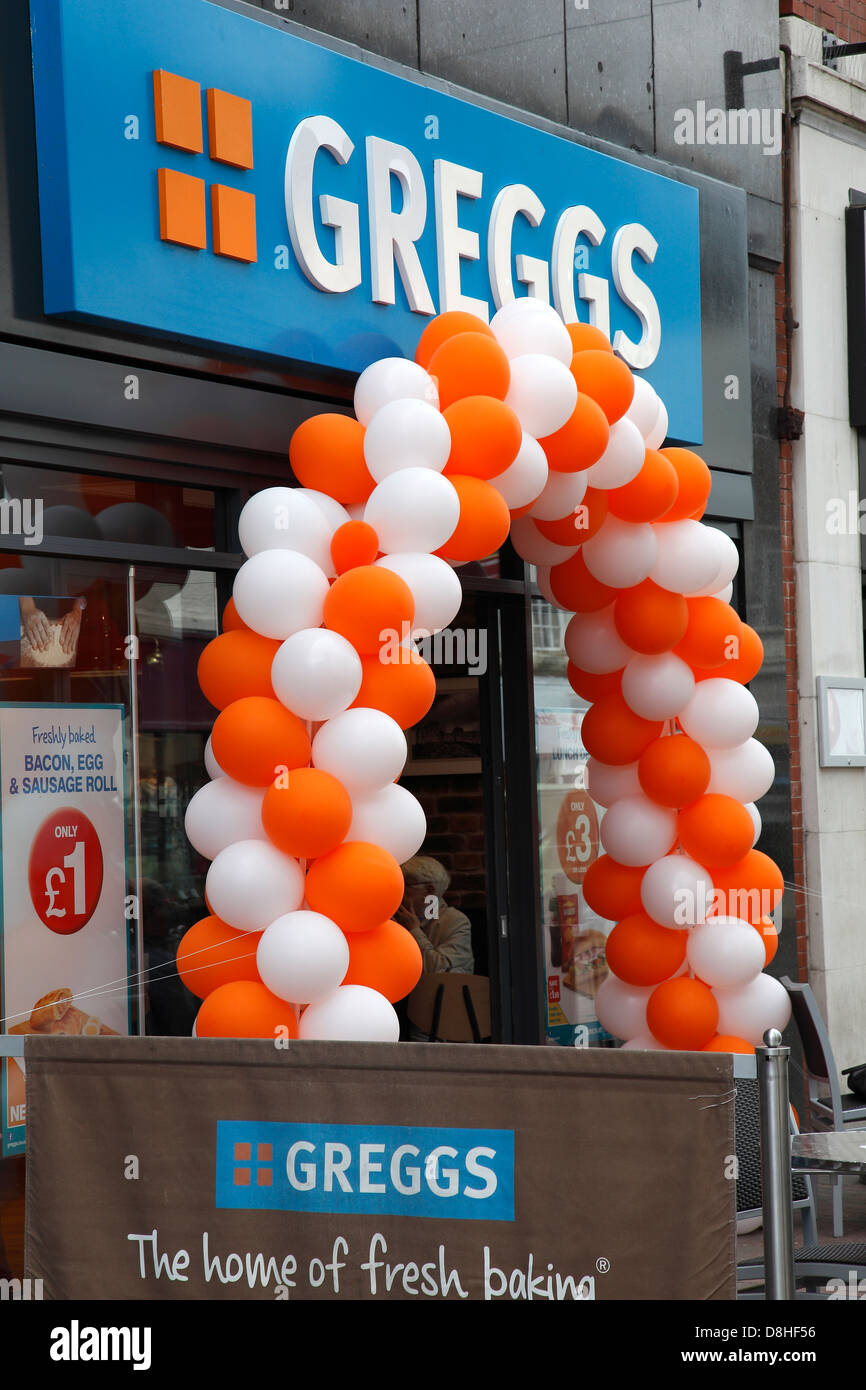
(168, 1168)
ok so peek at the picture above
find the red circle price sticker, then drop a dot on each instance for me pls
(65, 871)
(577, 834)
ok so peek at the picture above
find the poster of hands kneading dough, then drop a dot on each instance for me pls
(64, 939)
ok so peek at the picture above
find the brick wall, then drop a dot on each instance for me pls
(846, 19)
(786, 523)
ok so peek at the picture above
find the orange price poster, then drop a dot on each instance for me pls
(64, 928)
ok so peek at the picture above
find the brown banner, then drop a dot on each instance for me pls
(164, 1168)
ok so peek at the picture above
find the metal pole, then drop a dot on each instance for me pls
(132, 650)
(772, 1061)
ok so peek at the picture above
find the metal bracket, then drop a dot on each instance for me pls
(735, 70)
(788, 423)
(832, 50)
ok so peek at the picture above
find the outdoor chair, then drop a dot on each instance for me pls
(831, 1107)
(451, 1007)
(814, 1264)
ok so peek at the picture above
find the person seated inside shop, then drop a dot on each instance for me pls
(443, 933)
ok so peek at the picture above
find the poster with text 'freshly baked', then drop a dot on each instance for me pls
(64, 929)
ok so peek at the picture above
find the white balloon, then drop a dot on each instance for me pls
(535, 328)
(542, 393)
(435, 587)
(635, 830)
(687, 556)
(745, 772)
(542, 579)
(221, 812)
(414, 509)
(621, 1008)
(644, 407)
(727, 556)
(278, 592)
(748, 1011)
(644, 1042)
(720, 714)
(211, 765)
(302, 956)
(657, 687)
(365, 749)
(353, 1013)
(593, 643)
(392, 379)
(724, 594)
(756, 821)
(659, 432)
(725, 952)
(523, 481)
(622, 459)
(560, 497)
(333, 511)
(677, 891)
(406, 434)
(392, 818)
(285, 518)
(607, 783)
(250, 884)
(316, 673)
(621, 553)
(535, 548)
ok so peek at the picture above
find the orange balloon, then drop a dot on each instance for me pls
(327, 453)
(614, 734)
(674, 770)
(770, 937)
(606, 378)
(694, 483)
(612, 890)
(590, 513)
(726, 1042)
(485, 437)
(682, 1014)
(352, 544)
(236, 664)
(470, 364)
(641, 952)
(590, 686)
(245, 1009)
(578, 590)
(650, 619)
(743, 664)
(232, 620)
(564, 531)
(584, 336)
(256, 737)
(386, 958)
(715, 830)
(211, 954)
(752, 888)
(357, 885)
(405, 689)
(369, 606)
(582, 439)
(713, 630)
(307, 813)
(484, 521)
(445, 326)
(650, 495)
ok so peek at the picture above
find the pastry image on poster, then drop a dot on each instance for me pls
(40, 631)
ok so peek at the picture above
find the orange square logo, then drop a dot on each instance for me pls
(234, 222)
(182, 209)
(230, 128)
(177, 106)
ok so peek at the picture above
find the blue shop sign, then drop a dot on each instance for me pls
(207, 176)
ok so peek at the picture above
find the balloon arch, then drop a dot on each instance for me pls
(536, 429)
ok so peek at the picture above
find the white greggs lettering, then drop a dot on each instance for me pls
(404, 1173)
(394, 234)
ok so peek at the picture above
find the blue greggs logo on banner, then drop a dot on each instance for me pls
(391, 1170)
(208, 176)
